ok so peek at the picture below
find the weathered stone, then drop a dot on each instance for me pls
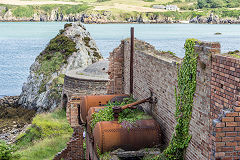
(86, 54)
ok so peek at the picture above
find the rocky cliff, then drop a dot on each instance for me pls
(72, 48)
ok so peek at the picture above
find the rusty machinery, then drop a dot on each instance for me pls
(109, 135)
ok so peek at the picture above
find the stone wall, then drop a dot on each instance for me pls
(157, 73)
(76, 86)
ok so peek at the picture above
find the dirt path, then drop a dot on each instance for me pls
(19, 2)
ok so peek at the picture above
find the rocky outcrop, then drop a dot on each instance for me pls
(72, 49)
(214, 19)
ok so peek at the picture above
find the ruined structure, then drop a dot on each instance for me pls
(215, 122)
(91, 80)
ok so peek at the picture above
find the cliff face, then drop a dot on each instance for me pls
(72, 48)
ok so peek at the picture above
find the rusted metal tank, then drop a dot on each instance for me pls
(93, 101)
(110, 135)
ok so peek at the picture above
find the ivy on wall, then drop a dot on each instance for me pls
(184, 102)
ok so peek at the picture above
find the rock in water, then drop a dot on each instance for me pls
(71, 49)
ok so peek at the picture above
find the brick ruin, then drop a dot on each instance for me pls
(215, 123)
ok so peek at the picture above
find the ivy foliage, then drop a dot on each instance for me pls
(127, 115)
(184, 102)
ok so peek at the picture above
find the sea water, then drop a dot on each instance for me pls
(21, 42)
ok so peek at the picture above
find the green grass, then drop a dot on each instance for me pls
(45, 149)
(47, 136)
(23, 11)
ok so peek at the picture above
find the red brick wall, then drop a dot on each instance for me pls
(154, 73)
(115, 84)
(200, 143)
(74, 148)
(215, 133)
(225, 107)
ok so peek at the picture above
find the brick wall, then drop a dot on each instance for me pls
(74, 148)
(115, 84)
(158, 73)
(200, 123)
(225, 107)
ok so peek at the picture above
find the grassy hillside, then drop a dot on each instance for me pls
(47, 136)
(122, 9)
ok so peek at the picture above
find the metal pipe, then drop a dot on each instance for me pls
(131, 60)
(136, 103)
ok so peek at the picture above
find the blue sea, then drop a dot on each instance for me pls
(21, 42)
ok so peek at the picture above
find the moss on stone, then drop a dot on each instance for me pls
(87, 40)
(54, 57)
(97, 55)
(67, 25)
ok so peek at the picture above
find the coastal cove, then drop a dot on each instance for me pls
(21, 42)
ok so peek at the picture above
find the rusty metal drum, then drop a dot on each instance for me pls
(93, 101)
(110, 135)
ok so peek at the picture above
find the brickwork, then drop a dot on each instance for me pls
(199, 128)
(225, 107)
(74, 149)
(158, 73)
(115, 84)
(75, 87)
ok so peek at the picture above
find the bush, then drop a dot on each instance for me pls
(6, 151)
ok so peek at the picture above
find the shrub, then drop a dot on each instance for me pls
(6, 151)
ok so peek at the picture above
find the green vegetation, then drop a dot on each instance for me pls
(29, 10)
(46, 136)
(61, 44)
(184, 102)
(23, 11)
(6, 151)
(235, 53)
(52, 58)
(127, 115)
(217, 3)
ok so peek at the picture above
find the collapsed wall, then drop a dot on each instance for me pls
(157, 73)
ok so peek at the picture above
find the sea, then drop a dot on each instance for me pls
(21, 42)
